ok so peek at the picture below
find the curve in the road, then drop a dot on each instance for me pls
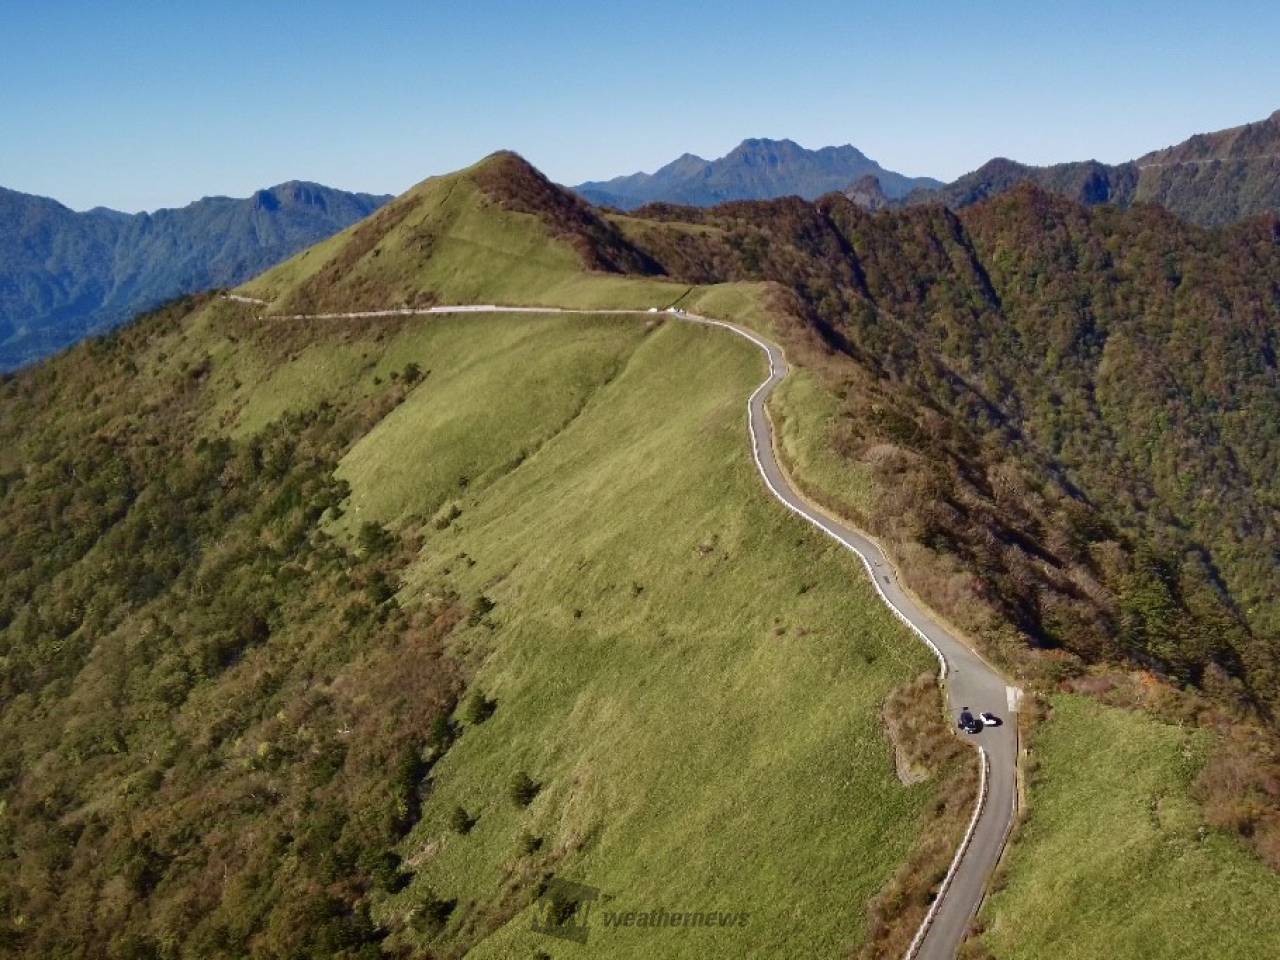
(970, 681)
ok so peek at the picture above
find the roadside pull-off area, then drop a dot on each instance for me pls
(970, 682)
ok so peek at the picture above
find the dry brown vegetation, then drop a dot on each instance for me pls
(926, 747)
(1239, 789)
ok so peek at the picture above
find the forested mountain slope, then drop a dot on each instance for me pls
(64, 275)
(1210, 179)
(1093, 393)
(311, 631)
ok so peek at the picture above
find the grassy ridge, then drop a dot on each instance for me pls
(1114, 861)
(485, 411)
(444, 241)
(693, 676)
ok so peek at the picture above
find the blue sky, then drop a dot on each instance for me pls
(143, 105)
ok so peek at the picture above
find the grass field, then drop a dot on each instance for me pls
(693, 676)
(804, 413)
(455, 248)
(1113, 862)
(483, 412)
(608, 507)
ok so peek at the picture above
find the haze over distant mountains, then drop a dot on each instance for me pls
(1209, 179)
(65, 275)
(754, 170)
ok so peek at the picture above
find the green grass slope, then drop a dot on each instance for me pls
(484, 410)
(692, 675)
(1114, 861)
(462, 238)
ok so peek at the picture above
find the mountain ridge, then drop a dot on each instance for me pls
(252, 556)
(66, 274)
(947, 277)
(758, 168)
(1209, 179)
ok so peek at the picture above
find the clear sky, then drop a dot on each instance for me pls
(148, 104)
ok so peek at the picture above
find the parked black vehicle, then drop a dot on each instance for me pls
(968, 722)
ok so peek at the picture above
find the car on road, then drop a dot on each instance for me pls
(968, 722)
(989, 719)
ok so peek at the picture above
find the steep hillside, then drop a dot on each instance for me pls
(1218, 177)
(344, 637)
(341, 638)
(1210, 179)
(753, 170)
(1018, 363)
(64, 275)
(1022, 397)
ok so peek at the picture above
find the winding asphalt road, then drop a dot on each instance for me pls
(970, 681)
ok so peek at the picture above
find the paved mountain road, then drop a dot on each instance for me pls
(970, 681)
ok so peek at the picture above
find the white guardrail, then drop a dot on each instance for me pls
(978, 806)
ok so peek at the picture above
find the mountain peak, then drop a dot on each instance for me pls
(503, 158)
(867, 193)
(508, 177)
(410, 253)
(765, 143)
(758, 168)
(96, 269)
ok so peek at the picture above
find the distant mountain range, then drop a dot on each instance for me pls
(754, 170)
(65, 275)
(1210, 179)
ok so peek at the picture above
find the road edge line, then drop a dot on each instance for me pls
(978, 806)
(943, 666)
